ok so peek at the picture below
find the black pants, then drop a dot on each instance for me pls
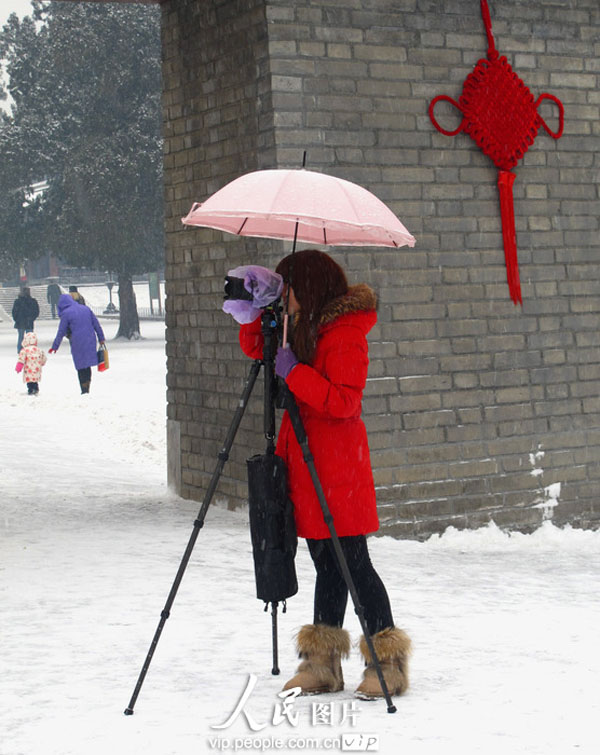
(331, 593)
(33, 388)
(85, 377)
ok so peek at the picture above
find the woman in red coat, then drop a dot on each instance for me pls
(325, 368)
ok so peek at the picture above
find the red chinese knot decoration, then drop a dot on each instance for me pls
(500, 114)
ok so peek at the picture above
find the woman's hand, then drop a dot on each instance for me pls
(285, 361)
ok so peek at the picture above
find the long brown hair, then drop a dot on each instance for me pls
(316, 279)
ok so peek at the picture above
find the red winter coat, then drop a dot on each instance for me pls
(329, 397)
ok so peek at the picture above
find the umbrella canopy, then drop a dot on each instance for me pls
(302, 205)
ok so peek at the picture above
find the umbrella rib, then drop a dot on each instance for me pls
(241, 228)
(356, 215)
(280, 188)
(350, 201)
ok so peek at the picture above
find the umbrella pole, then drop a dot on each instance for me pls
(287, 298)
(292, 408)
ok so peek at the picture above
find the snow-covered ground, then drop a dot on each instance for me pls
(505, 628)
(97, 296)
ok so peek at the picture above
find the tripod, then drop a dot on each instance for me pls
(269, 331)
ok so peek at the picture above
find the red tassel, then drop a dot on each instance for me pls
(507, 213)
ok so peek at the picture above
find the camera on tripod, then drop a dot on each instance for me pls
(251, 289)
(235, 289)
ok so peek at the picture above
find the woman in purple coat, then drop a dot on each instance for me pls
(81, 323)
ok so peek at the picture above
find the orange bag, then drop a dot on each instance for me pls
(103, 362)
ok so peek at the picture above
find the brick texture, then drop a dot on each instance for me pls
(476, 409)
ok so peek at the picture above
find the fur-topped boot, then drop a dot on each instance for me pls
(392, 647)
(321, 648)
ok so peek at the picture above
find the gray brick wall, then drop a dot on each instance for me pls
(218, 124)
(476, 409)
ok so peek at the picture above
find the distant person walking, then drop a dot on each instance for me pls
(25, 310)
(83, 326)
(30, 361)
(53, 293)
(73, 292)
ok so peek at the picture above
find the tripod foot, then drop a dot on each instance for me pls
(391, 709)
(275, 671)
(128, 712)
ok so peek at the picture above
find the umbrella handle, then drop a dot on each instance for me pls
(285, 330)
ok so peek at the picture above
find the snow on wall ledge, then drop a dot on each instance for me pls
(419, 518)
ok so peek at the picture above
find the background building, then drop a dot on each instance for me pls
(477, 409)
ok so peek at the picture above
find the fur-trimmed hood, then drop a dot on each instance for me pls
(360, 301)
(359, 298)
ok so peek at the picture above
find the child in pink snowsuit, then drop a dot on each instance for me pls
(31, 360)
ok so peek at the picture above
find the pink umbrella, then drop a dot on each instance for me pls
(301, 205)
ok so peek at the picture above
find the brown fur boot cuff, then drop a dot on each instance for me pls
(322, 638)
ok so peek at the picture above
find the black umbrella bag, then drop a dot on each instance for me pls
(272, 528)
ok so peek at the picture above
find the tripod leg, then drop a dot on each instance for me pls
(198, 524)
(292, 408)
